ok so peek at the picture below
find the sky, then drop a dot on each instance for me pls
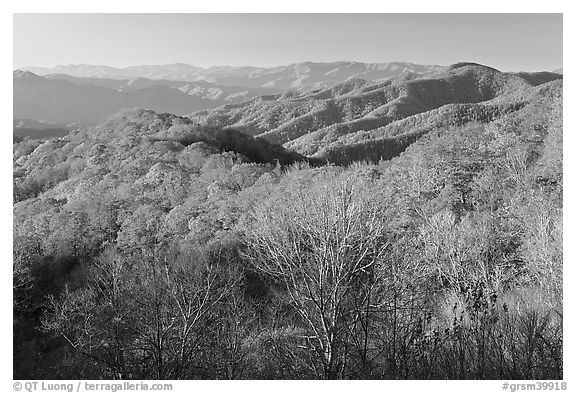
(509, 42)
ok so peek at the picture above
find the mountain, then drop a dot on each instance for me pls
(39, 98)
(390, 140)
(87, 94)
(177, 71)
(336, 122)
(37, 70)
(202, 89)
(310, 75)
(313, 122)
(63, 98)
(300, 76)
(169, 71)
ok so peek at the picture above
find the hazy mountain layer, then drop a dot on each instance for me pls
(63, 98)
(303, 76)
(202, 89)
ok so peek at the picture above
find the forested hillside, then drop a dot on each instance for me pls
(323, 123)
(153, 246)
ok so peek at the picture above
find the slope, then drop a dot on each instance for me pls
(307, 123)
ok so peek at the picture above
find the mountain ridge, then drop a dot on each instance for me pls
(309, 123)
(67, 99)
(304, 75)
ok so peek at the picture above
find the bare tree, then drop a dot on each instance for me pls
(321, 250)
(142, 318)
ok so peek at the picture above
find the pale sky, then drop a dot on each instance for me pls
(509, 42)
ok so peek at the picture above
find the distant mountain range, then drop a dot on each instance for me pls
(63, 98)
(307, 75)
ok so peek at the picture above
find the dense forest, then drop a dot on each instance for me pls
(152, 247)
